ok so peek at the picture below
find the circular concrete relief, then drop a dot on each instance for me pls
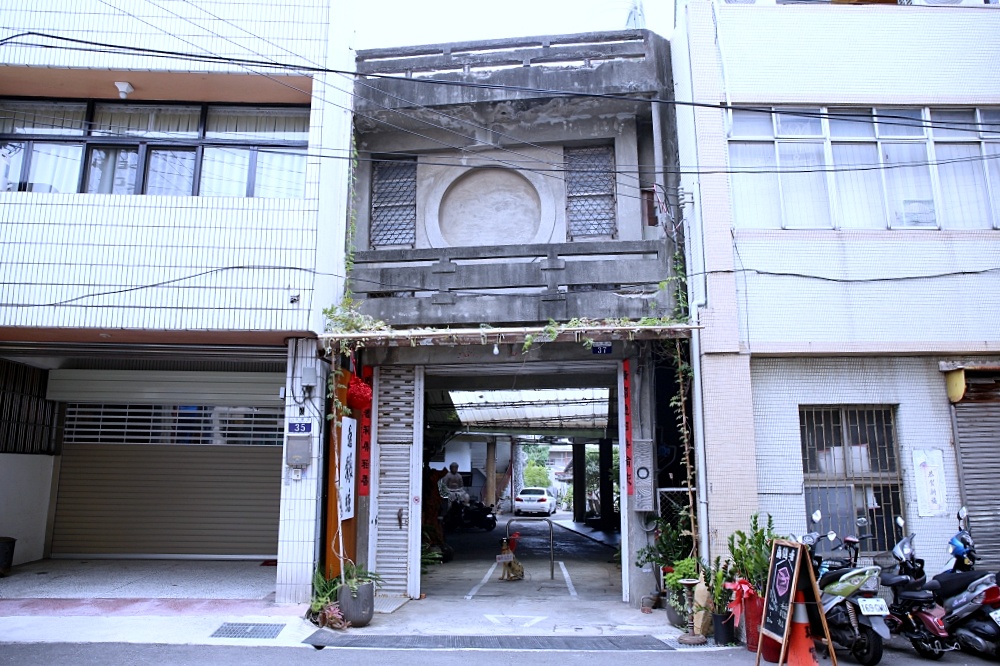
(490, 207)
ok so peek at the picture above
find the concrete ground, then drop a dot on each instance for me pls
(231, 603)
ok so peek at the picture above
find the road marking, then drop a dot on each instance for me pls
(509, 620)
(485, 580)
(569, 583)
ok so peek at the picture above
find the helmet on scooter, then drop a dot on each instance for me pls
(961, 545)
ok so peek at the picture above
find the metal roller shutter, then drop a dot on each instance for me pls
(168, 500)
(978, 426)
(397, 536)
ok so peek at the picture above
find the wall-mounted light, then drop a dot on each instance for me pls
(124, 88)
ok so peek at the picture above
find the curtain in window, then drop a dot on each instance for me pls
(55, 167)
(224, 172)
(908, 181)
(112, 170)
(258, 124)
(149, 121)
(11, 159)
(859, 186)
(964, 200)
(170, 173)
(41, 118)
(756, 199)
(803, 185)
(280, 174)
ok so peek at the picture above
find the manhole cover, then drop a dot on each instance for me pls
(242, 630)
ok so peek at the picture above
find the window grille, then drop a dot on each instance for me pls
(173, 424)
(394, 202)
(590, 191)
(850, 464)
(26, 417)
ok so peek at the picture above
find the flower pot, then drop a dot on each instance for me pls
(358, 608)
(671, 601)
(753, 613)
(723, 628)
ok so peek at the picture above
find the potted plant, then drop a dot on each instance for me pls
(670, 544)
(356, 593)
(716, 575)
(751, 554)
(677, 610)
(323, 608)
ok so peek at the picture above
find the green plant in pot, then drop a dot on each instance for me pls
(356, 594)
(671, 542)
(751, 554)
(324, 611)
(682, 569)
(716, 575)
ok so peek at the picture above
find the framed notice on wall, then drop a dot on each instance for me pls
(348, 466)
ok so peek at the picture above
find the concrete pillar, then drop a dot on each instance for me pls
(490, 490)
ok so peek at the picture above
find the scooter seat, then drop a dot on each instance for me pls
(917, 595)
(833, 576)
(954, 582)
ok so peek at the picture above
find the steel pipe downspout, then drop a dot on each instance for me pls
(687, 148)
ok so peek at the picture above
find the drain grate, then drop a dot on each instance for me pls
(325, 638)
(243, 630)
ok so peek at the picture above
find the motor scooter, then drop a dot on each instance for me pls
(854, 613)
(971, 599)
(474, 514)
(914, 612)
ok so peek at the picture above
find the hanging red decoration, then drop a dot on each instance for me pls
(359, 394)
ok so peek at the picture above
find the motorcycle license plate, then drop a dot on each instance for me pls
(995, 614)
(873, 606)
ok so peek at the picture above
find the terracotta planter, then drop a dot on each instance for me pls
(753, 613)
(358, 608)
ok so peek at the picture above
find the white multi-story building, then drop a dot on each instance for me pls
(844, 254)
(173, 197)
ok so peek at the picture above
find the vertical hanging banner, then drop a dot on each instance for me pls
(365, 442)
(348, 465)
(627, 399)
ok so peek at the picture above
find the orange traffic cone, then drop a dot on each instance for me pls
(801, 647)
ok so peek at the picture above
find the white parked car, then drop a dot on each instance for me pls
(535, 500)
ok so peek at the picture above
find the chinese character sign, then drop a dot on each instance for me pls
(929, 474)
(365, 443)
(348, 466)
(627, 394)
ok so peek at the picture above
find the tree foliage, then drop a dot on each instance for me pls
(536, 475)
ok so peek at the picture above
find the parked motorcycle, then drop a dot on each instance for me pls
(971, 599)
(914, 612)
(474, 514)
(854, 612)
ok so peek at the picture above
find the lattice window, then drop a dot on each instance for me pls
(850, 463)
(394, 202)
(590, 191)
(173, 424)
(26, 417)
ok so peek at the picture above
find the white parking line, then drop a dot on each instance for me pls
(485, 580)
(569, 583)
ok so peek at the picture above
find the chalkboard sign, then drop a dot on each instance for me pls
(789, 571)
(782, 581)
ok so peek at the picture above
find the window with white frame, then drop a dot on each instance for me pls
(865, 168)
(850, 465)
(166, 150)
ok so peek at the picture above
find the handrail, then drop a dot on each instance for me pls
(552, 552)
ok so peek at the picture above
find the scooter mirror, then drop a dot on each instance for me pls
(831, 535)
(900, 521)
(963, 513)
(817, 516)
(861, 522)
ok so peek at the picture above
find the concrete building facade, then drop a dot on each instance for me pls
(843, 246)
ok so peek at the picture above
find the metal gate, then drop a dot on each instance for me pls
(978, 429)
(398, 447)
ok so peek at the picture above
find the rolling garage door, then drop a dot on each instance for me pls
(170, 478)
(978, 426)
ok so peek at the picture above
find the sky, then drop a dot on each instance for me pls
(413, 22)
